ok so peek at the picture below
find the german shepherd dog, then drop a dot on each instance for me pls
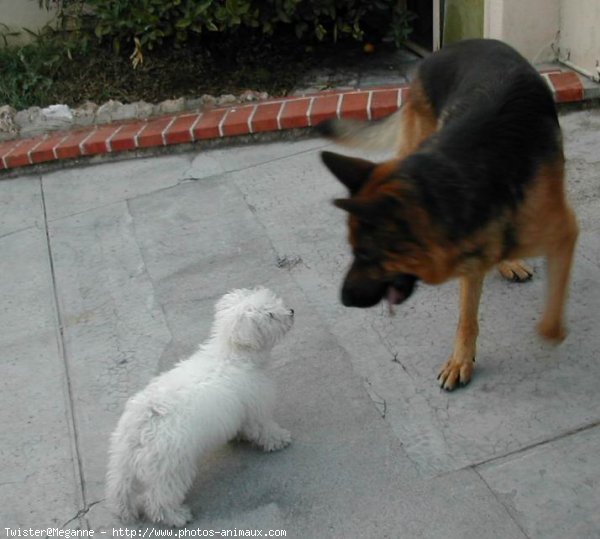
(478, 182)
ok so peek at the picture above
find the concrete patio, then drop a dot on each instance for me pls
(109, 274)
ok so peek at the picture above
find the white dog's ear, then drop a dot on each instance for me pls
(245, 332)
(231, 299)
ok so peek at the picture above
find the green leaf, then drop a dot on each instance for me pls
(300, 29)
(320, 32)
(183, 23)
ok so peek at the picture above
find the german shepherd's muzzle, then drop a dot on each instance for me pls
(358, 291)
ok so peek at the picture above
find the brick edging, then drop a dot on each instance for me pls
(271, 115)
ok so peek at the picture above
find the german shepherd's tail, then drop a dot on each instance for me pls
(384, 134)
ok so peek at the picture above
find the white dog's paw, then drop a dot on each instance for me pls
(177, 517)
(276, 439)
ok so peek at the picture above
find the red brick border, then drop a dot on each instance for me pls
(273, 115)
(567, 86)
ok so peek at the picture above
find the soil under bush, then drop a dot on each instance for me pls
(274, 66)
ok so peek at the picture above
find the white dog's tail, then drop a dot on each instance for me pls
(120, 478)
(120, 496)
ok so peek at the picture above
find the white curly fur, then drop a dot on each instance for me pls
(220, 392)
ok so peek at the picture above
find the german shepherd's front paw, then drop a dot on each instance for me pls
(455, 372)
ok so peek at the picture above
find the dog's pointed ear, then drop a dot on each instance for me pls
(351, 171)
(364, 209)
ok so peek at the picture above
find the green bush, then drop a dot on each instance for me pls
(28, 72)
(152, 22)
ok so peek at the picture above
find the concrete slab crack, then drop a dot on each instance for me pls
(81, 513)
(541, 443)
(506, 508)
(378, 400)
(60, 339)
(145, 270)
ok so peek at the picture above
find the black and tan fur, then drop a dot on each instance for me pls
(478, 182)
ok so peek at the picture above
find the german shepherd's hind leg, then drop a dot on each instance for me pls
(459, 368)
(515, 270)
(559, 260)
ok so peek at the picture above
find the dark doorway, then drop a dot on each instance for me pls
(422, 33)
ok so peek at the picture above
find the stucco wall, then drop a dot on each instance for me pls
(530, 26)
(580, 33)
(18, 14)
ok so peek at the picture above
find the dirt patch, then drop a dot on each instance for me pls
(272, 66)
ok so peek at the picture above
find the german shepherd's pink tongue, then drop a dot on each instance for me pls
(400, 290)
(394, 296)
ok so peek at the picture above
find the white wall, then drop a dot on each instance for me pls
(18, 14)
(531, 26)
(580, 34)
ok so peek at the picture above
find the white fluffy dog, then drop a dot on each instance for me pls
(222, 391)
